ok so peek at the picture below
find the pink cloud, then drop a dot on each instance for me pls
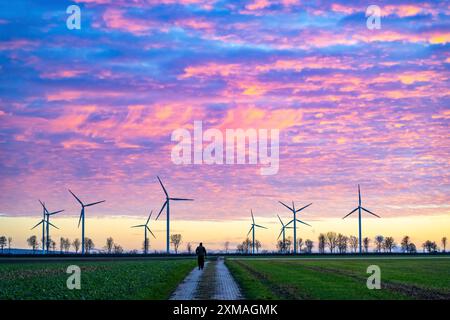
(115, 19)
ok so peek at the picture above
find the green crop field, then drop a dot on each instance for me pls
(146, 279)
(341, 278)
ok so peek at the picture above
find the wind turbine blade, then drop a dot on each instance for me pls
(249, 231)
(43, 205)
(304, 223)
(288, 223)
(149, 217)
(164, 189)
(253, 219)
(164, 205)
(303, 207)
(257, 225)
(350, 213)
(280, 220)
(79, 201)
(37, 224)
(94, 203)
(52, 213)
(52, 225)
(290, 209)
(139, 225)
(281, 232)
(359, 195)
(370, 212)
(81, 215)
(150, 232)
(181, 199)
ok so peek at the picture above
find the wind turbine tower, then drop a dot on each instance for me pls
(145, 226)
(252, 230)
(167, 206)
(82, 217)
(295, 220)
(47, 215)
(359, 208)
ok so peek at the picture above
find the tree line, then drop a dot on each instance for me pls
(331, 242)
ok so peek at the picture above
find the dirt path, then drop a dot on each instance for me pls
(214, 282)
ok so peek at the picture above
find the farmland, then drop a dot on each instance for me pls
(144, 279)
(341, 278)
(268, 278)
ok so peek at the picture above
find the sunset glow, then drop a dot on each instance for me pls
(93, 110)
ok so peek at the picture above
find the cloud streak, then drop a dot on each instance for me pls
(94, 109)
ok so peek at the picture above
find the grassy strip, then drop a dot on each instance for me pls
(99, 280)
(252, 287)
(426, 274)
(295, 277)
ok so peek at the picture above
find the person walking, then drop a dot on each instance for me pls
(201, 254)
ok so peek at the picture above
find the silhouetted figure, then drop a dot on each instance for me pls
(201, 254)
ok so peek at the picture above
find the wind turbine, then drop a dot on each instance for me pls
(252, 230)
(145, 226)
(295, 220)
(359, 208)
(166, 204)
(282, 232)
(43, 222)
(47, 215)
(82, 217)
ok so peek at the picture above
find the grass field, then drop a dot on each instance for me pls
(147, 279)
(341, 279)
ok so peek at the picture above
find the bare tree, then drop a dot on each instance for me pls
(280, 246)
(10, 239)
(412, 248)
(2, 242)
(76, 244)
(287, 244)
(405, 244)
(226, 246)
(379, 242)
(61, 244)
(66, 245)
(444, 242)
(189, 248)
(52, 244)
(309, 245)
(300, 244)
(366, 243)
(33, 242)
(429, 246)
(118, 249)
(109, 244)
(341, 243)
(175, 239)
(257, 245)
(88, 244)
(389, 244)
(322, 242)
(331, 240)
(247, 245)
(353, 241)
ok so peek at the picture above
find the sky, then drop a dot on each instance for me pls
(94, 109)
